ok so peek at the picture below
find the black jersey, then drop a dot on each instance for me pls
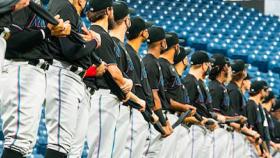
(155, 78)
(106, 52)
(199, 95)
(142, 86)
(256, 117)
(27, 40)
(67, 48)
(220, 98)
(236, 99)
(172, 82)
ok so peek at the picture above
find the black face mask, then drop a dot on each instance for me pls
(177, 52)
(207, 72)
(163, 49)
(186, 67)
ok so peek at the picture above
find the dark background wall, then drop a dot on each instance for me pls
(257, 4)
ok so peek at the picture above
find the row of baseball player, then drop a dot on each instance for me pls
(95, 87)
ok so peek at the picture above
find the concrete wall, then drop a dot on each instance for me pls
(272, 7)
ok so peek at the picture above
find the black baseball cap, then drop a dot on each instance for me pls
(276, 106)
(97, 5)
(156, 34)
(219, 60)
(270, 96)
(257, 86)
(265, 85)
(182, 55)
(137, 25)
(238, 66)
(121, 10)
(172, 40)
(199, 57)
(6, 5)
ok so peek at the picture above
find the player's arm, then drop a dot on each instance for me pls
(181, 107)
(119, 78)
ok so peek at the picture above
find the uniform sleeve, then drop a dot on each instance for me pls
(191, 89)
(217, 98)
(63, 10)
(25, 39)
(153, 75)
(23, 35)
(234, 100)
(107, 50)
(251, 114)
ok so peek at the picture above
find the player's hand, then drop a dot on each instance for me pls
(101, 69)
(243, 119)
(143, 105)
(127, 97)
(221, 118)
(168, 129)
(203, 122)
(211, 124)
(90, 35)
(63, 29)
(155, 118)
(127, 86)
(192, 108)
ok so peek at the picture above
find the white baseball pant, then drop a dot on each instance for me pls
(101, 133)
(169, 144)
(183, 142)
(65, 95)
(222, 143)
(201, 143)
(154, 145)
(138, 136)
(122, 130)
(22, 94)
(81, 129)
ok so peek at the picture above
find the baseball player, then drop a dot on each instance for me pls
(255, 113)
(122, 24)
(201, 140)
(181, 63)
(223, 145)
(237, 100)
(137, 34)
(23, 78)
(105, 105)
(66, 93)
(267, 104)
(174, 92)
(156, 45)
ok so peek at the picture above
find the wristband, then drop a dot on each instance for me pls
(90, 72)
(162, 119)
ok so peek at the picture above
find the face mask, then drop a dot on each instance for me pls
(163, 48)
(207, 72)
(186, 67)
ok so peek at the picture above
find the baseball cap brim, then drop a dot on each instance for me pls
(168, 35)
(131, 10)
(182, 40)
(149, 24)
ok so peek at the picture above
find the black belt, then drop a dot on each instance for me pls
(77, 70)
(90, 90)
(42, 64)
